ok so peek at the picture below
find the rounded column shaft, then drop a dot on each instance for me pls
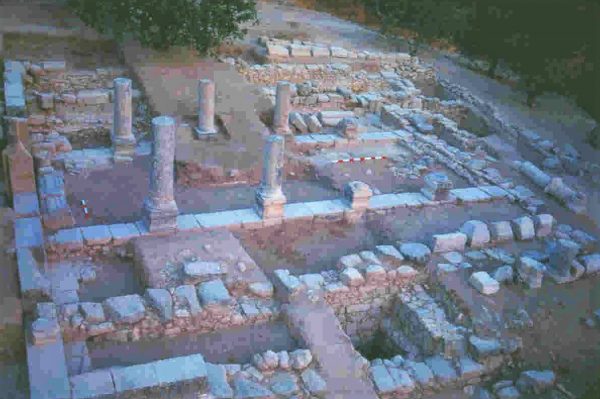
(122, 119)
(283, 106)
(206, 107)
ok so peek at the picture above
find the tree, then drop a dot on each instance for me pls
(160, 24)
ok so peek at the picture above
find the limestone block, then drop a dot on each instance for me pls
(92, 312)
(389, 254)
(92, 385)
(284, 383)
(442, 369)
(180, 369)
(449, 242)
(200, 271)
(421, 373)
(93, 97)
(501, 231)
(591, 263)
(375, 274)
(100, 329)
(214, 293)
(96, 235)
(54, 66)
(415, 252)
(313, 123)
(44, 331)
(297, 50)
(247, 389)
(261, 289)
(358, 194)
(46, 100)
(484, 283)
(558, 189)
(317, 51)
(504, 274)
(291, 283)
(543, 225)
(338, 52)
(276, 50)
(125, 309)
(313, 281)
(46, 310)
(536, 381)
(469, 369)
(217, 381)
(352, 277)
(161, 300)
(298, 122)
(315, 384)
(477, 233)
(540, 178)
(523, 228)
(134, 378)
(530, 271)
(484, 347)
(352, 260)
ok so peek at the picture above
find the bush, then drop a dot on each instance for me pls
(160, 24)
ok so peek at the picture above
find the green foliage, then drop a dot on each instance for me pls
(552, 44)
(160, 24)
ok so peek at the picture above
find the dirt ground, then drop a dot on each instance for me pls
(228, 346)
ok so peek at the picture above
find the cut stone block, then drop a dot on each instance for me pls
(248, 389)
(45, 331)
(543, 225)
(352, 277)
(92, 312)
(591, 263)
(96, 235)
(68, 239)
(276, 50)
(186, 296)
(416, 252)
(530, 271)
(504, 274)
(125, 309)
(536, 381)
(389, 253)
(28, 232)
(523, 228)
(442, 369)
(123, 232)
(214, 293)
(501, 231)
(96, 384)
(484, 283)
(484, 347)
(200, 271)
(262, 290)
(471, 194)
(180, 370)
(161, 300)
(93, 97)
(217, 381)
(134, 378)
(449, 242)
(477, 233)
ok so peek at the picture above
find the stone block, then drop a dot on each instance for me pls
(46, 101)
(186, 296)
(471, 194)
(530, 271)
(261, 289)
(352, 277)
(182, 369)
(187, 222)
(540, 178)
(54, 66)
(96, 235)
(314, 383)
(358, 194)
(92, 312)
(504, 274)
(201, 271)
(478, 234)
(484, 347)
(543, 225)
(535, 381)
(297, 50)
(317, 51)
(523, 228)
(312, 281)
(26, 204)
(217, 381)
(284, 383)
(389, 254)
(125, 309)
(68, 239)
(442, 369)
(298, 122)
(93, 385)
(28, 232)
(375, 274)
(501, 231)
(276, 50)
(45, 331)
(468, 369)
(338, 52)
(136, 378)
(214, 293)
(449, 242)
(384, 383)
(484, 283)
(93, 97)
(123, 232)
(415, 252)
(161, 300)
(591, 263)
(421, 373)
(247, 389)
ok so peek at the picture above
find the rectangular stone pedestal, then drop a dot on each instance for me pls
(270, 207)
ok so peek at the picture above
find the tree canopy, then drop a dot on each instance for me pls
(160, 24)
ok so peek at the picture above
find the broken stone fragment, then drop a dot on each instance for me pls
(504, 274)
(484, 283)
(201, 271)
(534, 381)
(125, 309)
(530, 271)
(416, 252)
(161, 300)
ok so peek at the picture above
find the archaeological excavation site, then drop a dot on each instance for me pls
(310, 213)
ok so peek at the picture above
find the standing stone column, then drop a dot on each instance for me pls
(123, 139)
(269, 197)
(160, 210)
(206, 108)
(283, 106)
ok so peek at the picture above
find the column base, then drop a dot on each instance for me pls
(202, 133)
(160, 218)
(123, 146)
(270, 207)
(282, 131)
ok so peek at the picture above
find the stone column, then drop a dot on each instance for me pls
(269, 197)
(283, 106)
(123, 139)
(206, 108)
(160, 210)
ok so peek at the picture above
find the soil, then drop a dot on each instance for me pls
(226, 346)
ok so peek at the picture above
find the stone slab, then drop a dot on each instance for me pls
(134, 378)
(26, 204)
(123, 232)
(217, 382)
(471, 194)
(125, 309)
(219, 219)
(28, 232)
(96, 235)
(180, 369)
(187, 222)
(96, 384)
(48, 376)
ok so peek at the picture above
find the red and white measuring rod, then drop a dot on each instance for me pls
(358, 159)
(86, 212)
